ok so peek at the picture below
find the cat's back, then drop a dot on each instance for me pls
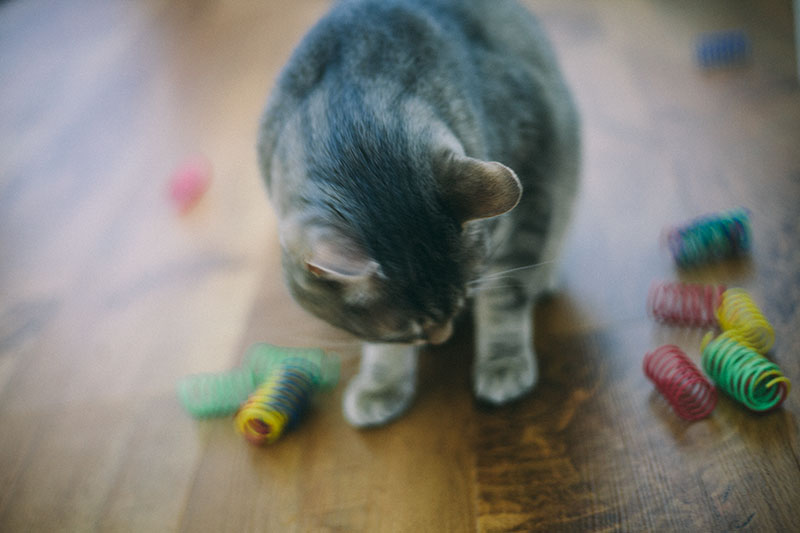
(368, 38)
(481, 65)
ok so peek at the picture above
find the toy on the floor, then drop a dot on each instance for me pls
(288, 378)
(262, 358)
(189, 182)
(711, 238)
(739, 315)
(684, 304)
(679, 380)
(290, 375)
(723, 49)
(278, 403)
(212, 395)
(734, 360)
(744, 374)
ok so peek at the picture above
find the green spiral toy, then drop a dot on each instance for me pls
(746, 375)
(221, 394)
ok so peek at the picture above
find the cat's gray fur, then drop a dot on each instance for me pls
(377, 147)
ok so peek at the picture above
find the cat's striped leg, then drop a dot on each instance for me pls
(384, 386)
(505, 366)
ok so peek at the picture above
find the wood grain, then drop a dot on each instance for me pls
(108, 296)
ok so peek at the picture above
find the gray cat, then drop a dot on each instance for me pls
(417, 153)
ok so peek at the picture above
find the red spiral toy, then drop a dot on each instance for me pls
(684, 304)
(679, 380)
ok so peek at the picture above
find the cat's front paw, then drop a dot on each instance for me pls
(368, 402)
(506, 373)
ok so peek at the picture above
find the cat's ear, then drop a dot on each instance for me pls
(327, 252)
(476, 189)
(333, 256)
(336, 257)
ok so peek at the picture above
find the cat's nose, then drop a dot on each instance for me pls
(439, 333)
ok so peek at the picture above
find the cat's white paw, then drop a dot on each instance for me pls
(505, 375)
(370, 403)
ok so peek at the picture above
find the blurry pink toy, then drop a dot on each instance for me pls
(189, 182)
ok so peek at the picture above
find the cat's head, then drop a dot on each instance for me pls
(393, 265)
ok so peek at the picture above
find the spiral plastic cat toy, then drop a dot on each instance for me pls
(221, 394)
(684, 304)
(746, 375)
(723, 49)
(711, 238)
(679, 380)
(739, 315)
(289, 378)
(278, 403)
(212, 395)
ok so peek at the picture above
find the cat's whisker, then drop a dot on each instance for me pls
(322, 342)
(506, 273)
(475, 290)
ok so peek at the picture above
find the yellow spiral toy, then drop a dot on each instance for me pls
(279, 402)
(738, 314)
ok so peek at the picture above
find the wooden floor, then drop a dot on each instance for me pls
(108, 296)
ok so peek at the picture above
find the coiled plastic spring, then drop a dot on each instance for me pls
(278, 403)
(723, 49)
(323, 368)
(739, 314)
(684, 304)
(210, 395)
(221, 394)
(744, 374)
(679, 380)
(710, 238)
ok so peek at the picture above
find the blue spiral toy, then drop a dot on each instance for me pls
(723, 49)
(711, 238)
